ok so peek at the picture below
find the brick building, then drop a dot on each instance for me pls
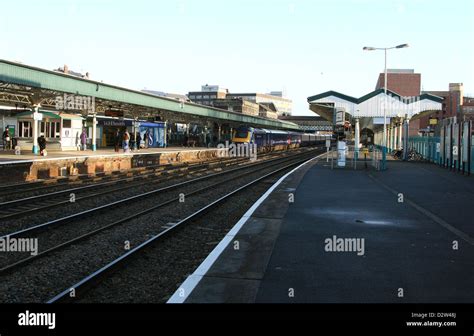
(455, 104)
(405, 82)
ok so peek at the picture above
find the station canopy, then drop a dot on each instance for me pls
(374, 105)
(23, 86)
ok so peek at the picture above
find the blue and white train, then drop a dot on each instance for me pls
(275, 139)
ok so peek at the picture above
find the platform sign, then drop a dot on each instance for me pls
(456, 142)
(455, 151)
(37, 116)
(328, 143)
(379, 121)
(438, 147)
(340, 118)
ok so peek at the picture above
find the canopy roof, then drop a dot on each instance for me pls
(374, 104)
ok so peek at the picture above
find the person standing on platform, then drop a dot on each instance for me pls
(84, 140)
(145, 138)
(117, 140)
(126, 141)
(139, 141)
(42, 145)
(6, 139)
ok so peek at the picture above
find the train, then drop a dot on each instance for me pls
(266, 139)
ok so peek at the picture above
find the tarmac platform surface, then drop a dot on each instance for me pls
(415, 220)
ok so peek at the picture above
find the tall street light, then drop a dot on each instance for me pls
(384, 140)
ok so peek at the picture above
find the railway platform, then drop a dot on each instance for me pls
(350, 236)
(29, 167)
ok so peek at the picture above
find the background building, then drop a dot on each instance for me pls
(283, 105)
(455, 104)
(405, 82)
(210, 94)
(267, 110)
(237, 105)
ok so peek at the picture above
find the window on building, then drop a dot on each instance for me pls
(49, 129)
(24, 129)
(54, 129)
(67, 123)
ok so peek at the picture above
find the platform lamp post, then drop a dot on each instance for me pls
(384, 139)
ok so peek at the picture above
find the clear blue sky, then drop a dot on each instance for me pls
(303, 46)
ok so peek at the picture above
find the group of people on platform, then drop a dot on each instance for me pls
(128, 142)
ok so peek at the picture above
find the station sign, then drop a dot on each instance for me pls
(379, 121)
(455, 151)
(340, 118)
(37, 116)
(114, 113)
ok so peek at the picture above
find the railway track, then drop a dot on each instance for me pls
(81, 288)
(28, 205)
(19, 265)
(9, 190)
(37, 203)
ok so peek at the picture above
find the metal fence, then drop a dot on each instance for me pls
(354, 159)
(428, 147)
(453, 149)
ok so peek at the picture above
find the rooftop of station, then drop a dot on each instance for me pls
(374, 104)
(24, 86)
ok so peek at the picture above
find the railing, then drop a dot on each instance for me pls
(355, 159)
(427, 147)
(376, 158)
